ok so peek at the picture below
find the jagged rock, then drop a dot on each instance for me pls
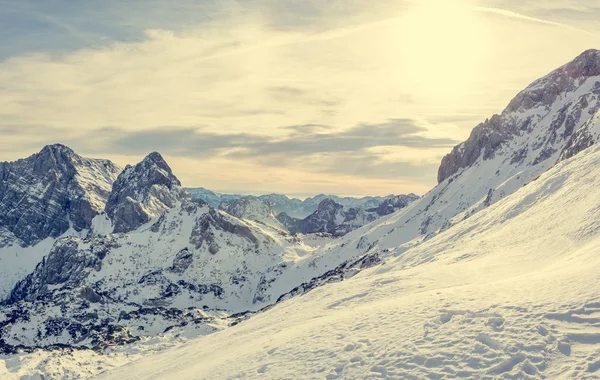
(487, 139)
(47, 193)
(333, 218)
(204, 230)
(394, 204)
(142, 192)
(65, 265)
(290, 223)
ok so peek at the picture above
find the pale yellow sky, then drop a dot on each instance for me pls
(274, 99)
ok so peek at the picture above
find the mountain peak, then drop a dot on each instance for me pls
(51, 191)
(328, 203)
(157, 159)
(142, 192)
(56, 149)
(587, 64)
(555, 106)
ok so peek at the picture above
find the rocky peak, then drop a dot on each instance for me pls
(542, 118)
(587, 64)
(47, 193)
(394, 204)
(328, 204)
(142, 192)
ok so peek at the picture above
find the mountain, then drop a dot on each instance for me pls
(292, 207)
(51, 191)
(50, 194)
(537, 129)
(511, 292)
(212, 198)
(393, 204)
(253, 209)
(169, 261)
(333, 218)
(493, 273)
(142, 192)
(190, 262)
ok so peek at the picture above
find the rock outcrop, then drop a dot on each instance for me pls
(51, 191)
(142, 192)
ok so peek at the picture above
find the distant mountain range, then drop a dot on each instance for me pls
(294, 207)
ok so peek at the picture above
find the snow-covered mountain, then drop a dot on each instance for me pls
(511, 292)
(294, 207)
(142, 192)
(168, 261)
(336, 219)
(212, 198)
(51, 191)
(539, 127)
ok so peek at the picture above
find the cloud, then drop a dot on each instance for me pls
(380, 150)
(395, 132)
(304, 140)
(343, 91)
(519, 16)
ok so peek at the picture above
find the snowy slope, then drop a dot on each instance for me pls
(512, 292)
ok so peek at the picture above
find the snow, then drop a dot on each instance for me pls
(512, 291)
(16, 262)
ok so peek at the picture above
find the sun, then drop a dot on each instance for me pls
(443, 44)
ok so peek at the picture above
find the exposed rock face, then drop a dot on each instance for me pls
(327, 218)
(394, 204)
(290, 223)
(142, 192)
(65, 265)
(333, 218)
(43, 195)
(574, 85)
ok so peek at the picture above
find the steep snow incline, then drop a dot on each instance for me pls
(511, 292)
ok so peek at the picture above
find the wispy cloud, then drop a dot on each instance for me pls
(519, 16)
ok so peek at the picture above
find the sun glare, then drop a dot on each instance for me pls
(444, 44)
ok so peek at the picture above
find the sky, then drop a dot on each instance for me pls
(349, 97)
